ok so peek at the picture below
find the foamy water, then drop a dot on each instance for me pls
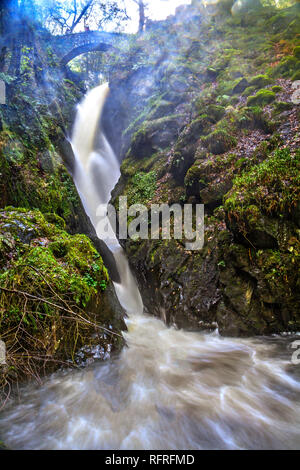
(170, 389)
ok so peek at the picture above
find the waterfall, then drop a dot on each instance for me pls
(169, 389)
(95, 175)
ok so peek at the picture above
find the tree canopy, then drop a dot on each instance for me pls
(67, 16)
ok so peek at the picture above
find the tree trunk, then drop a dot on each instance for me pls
(142, 16)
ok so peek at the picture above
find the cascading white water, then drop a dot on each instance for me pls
(169, 389)
(96, 174)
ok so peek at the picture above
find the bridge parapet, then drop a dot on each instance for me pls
(70, 45)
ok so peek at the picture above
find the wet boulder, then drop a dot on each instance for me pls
(155, 135)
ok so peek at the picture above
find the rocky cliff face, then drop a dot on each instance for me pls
(56, 296)
(210, 114)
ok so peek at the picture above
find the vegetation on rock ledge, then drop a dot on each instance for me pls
(51, 301)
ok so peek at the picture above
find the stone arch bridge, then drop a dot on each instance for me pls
(69, 46)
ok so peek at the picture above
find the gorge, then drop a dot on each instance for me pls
(182, 350)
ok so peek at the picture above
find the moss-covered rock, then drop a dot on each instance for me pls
(240, 86)
(53, 295)
(281, 106)
(296, 52)
(287, 66)
(273, 185)
(155, 135)
(277, 88)
(199, 126)
(195, 179)
(219, 141)
(33, 174)
(260, 290)
(296, 76)
(261, 98)
(141, 187)
(251, 117)
(260, 81)
(249, 91)
(215, 112)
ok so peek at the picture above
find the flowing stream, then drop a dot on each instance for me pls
(169, 389)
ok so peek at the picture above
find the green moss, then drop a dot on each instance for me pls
(281, 106)
(23, 181)
(260, 81)
(141, 188)
(219, 141)
(277, 88)
(193, 175)
(50, 281)
(69, 82)
(287, 66)
(296, 76)
(265, 148)
(239, 163)
(198, 126)
(215, 112)
(280, 268)
(55, 220)
(249, 90)
(153, 135)
(261, 98)
(296, 52)
(240, 85)
(250, 117)
(211, 112)
(234, 100)
(273, 185)
(161, 109)
(76, 250)
(212, 72)
(156, 162)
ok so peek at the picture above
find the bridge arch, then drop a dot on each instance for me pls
(82, 50)
(69, 46)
